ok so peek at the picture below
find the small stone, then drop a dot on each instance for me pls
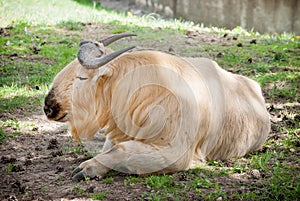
(191, 34)
(38, 148)
(171, 49)
(53, 144)
(7, 43)
(59, 169)
(90, 189)
(57, 153)
(230, 70)
(28, 162)
(255, 174)
(219, 199)
(35, 128)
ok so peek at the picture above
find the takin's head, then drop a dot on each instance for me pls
(91, 55)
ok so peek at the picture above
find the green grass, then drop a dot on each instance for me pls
(108, 180)
(14, 127)
(273, 64)
(10, 168)
(99, 196)
(82, 192)
(41, 37)
(199, 183)
(78, 190)
(163, 187)
(59, 12)
(71, 25)
(131, 181)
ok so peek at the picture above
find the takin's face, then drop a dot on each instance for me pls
(58, 100)
(91, 56)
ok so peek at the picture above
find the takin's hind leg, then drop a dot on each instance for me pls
(132, 157)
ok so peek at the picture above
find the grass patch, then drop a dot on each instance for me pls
(131, 181)
(163, 187)
(71, 25)
(9, 128)
(108, 180)
(159, 182)
(202, 183)
(99, 196)
(3, 135)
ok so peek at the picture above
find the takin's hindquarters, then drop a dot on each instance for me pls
(240, 122)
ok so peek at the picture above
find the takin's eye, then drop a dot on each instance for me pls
(82, 78)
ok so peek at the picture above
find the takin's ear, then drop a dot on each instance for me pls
(102, 73)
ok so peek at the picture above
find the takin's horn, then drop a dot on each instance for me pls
(90, 56)
(107, 41)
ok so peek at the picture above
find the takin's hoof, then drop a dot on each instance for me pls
(89, 169)
(82, 174)
(78, 175)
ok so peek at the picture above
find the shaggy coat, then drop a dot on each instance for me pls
(161, 112)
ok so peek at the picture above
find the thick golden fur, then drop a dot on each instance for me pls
(204, 112)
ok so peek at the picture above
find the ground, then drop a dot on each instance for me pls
(38, 156)
(37, 165)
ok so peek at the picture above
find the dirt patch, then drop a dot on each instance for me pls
(38, 164)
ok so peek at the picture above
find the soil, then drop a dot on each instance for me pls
(37, 163)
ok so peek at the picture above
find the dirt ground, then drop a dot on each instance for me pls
(42, 159)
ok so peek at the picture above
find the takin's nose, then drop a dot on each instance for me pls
(48, 111)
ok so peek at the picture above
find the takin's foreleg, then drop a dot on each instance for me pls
(132, 157)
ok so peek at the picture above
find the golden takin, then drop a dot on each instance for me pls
(161, 113)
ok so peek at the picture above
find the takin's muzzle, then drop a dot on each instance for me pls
(52, 108)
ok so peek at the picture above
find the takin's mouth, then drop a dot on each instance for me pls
(63, 118)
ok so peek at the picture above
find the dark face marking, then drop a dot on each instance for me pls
(51, 107)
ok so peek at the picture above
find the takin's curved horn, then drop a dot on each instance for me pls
(107, 41)
(90, 56)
